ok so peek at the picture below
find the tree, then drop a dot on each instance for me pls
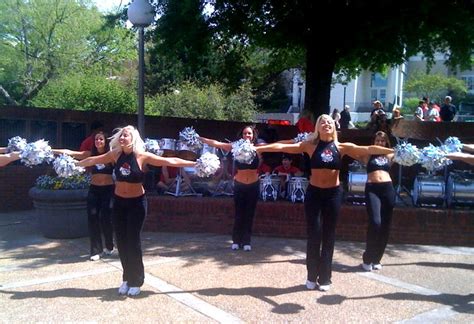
(42, 40)
(435, 86)
(370, 34)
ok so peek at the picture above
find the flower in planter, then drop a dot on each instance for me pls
(59, 183)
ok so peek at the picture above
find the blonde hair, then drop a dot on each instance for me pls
(385, 137)
(314, 137)
(137, 143)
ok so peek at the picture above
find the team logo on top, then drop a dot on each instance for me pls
(100, 166)
(381, 160)
(326, 156)
(125, 169)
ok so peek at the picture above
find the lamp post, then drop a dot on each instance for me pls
(141, 14)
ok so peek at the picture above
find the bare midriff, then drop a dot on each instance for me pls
(100, 179)
(378, 176)
(129, 190)
(246, 176)
(324, 178)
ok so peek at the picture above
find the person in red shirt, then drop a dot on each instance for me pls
(88, 143)
(304, 123)
(285, 171)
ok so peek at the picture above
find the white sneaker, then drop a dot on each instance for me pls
(311, 285)
(234, 246)
(134, 291)
(95, 257)
(123, 289)
(109, 252)
(324, 287)
(367, 267)
(377, 266)
(247, 247)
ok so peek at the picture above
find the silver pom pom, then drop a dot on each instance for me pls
(433, 158)
(451, 145)
(301, 137)
(207, 165)
(153, 146)
(16, 144)
(36, 153)
(65, 166)
(191, 138)
(243, 151)
(406, 154)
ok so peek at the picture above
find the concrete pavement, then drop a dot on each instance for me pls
(197, 278)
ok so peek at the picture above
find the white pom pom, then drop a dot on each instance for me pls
(207, 165)
(153, 146)
(36, 153)
(406, 154)
(433, 158)
(243, 151)
(301, 137)
(16, 144)
(65, 166)
(190, 137)
(451, 145)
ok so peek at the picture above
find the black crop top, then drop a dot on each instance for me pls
(378, 162)
(127, 170)
(326, 156)
(244, 166)
(102, 169)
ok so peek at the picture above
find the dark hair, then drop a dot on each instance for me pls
(385, 137)
(94, 150)
(96, 124)
(254, 131)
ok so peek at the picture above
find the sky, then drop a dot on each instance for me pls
(108, 5)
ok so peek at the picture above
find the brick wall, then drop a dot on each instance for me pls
(285, 219)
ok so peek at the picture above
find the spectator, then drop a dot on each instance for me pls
(336, 116)
(304, 123)
(448, 110)
(433, 113)
(88, 143)
(168, 179)
(378, 109)
(419, 112)
(345, 121)
(397, 113)
(285, 171)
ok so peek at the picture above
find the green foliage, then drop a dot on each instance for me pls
(87, 92)
(210, 102)
(409, 106)
(435, 86)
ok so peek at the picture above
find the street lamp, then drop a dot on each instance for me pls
(141, 14)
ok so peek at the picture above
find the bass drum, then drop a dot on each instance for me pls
(356, 184)
(168, 145)
(207, 148)
(297, 188)
(269, 187)
(460, 189)
(429, 191)
(186, 152)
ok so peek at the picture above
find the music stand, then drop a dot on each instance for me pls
(400, 188)
(178, 187)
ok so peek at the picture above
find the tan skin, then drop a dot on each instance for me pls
(324, 178)
(131, 190)
(242, 176)
(465, 157)
(377, 176)
(9, 157)
(97, 179)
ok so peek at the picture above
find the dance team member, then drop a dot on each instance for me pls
(129, 202)
(99, 198)
(380, 201)
(246, 191)
(7, 158)
(324, 194)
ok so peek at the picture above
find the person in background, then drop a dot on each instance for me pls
(127, 154)
(397, 113)
(420, 110)
(380, 201)
(323, 197)
(336, 116)
(88, 143)
(167, 180)
(304, 123)
(264, 169)
(345, 121)
(285, 171)
(99, 198)
(447, 110)
(246, 190)
(433, 113)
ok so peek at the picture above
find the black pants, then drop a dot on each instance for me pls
(99, 207)
(128, 218)
(380, 200)
(322, 207)
(245, 201)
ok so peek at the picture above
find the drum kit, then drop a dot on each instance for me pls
(270, 187)
(357, 177)
(297, 188)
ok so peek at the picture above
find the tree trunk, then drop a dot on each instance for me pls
(320, 63)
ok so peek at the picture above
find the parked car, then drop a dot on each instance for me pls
(465, 112)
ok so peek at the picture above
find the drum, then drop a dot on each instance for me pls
(460, 189)
(428, 190)
(356, 184)
(186, 152)
(207, 148)
(168, 145)
(297, 188)
(269, 187)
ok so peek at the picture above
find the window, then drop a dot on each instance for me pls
(469, 80)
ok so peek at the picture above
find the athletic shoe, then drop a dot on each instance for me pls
(367, 267)
(247, 247)
(234, 247)
(325, 287)
(377, 266)
(95, 257)
(123, 289)
(109, 252)
(134, 291)
(311, 285)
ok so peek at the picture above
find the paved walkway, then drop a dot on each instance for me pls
(197, 278)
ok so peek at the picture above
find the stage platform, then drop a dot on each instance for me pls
(411, 225)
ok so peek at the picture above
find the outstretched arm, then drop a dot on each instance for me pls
(356, 151)
(80, 155)
(214, 143)
(7, 158)
(294, 148)
(98, 159)
(3, 150)
(468, 147)
(465, 157)
(152, 159)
